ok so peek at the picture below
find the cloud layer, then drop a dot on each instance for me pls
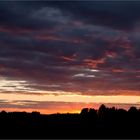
(87, 47)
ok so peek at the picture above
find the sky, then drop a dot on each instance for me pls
(62, 56)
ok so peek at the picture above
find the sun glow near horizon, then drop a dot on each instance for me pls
(22, 98)
(49, 104)
(72, 98)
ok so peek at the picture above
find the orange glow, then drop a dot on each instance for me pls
(42, 111)
(63, 108)
(68, 108)
(93, 63)
(72, 98)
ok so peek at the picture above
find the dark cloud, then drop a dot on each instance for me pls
(54, 43)
(115, 14)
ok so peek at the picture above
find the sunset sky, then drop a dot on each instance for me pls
(61, 56)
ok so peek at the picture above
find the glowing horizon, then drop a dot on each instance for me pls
(31, 103)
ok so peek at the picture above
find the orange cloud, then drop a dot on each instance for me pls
(93, 63)
(117, 70)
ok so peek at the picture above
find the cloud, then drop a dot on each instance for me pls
(83, 46)
(83, 75)
(113, 14)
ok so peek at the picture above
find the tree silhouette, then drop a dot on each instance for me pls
(84, 111)
(132, 110)
(102, 110)
(92, 111)
(90, 123)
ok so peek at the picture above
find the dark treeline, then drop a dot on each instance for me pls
(90, 123)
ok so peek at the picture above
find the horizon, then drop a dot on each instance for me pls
(62, 56)
(78, 112)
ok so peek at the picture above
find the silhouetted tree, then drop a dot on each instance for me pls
(84, 111)
(132, 110)
(92, 112)
(3, 112)
(35, 113)
(90, 123)
(102, 110)
(133, 115)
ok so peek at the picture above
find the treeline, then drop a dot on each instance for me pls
(90, 123)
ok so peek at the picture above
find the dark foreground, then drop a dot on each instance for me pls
(90, 123)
